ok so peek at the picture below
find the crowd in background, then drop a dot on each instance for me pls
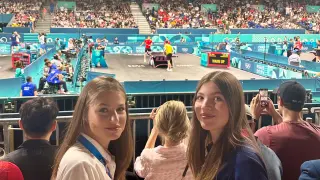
(176, 14)
(276, 14)
(287, 14)
(96, 14)
(310, 22)
(26, 12)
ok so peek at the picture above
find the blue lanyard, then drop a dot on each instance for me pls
(94, 151)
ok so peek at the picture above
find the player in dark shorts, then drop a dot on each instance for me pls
(168, 50)
(148, 43)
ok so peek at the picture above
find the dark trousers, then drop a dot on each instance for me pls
(41, 83)
(64, 85)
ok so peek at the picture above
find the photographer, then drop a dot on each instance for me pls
(291, 137)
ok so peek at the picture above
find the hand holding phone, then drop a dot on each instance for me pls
(153, 113)
(263, 97)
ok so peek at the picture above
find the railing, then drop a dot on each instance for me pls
(7, 125)
(138, 100)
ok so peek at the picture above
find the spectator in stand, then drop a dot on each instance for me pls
(272, 162)
(99, 133)
(9, 171)
(28, 88)
(292, 139)
(221, 144)
(94, 14)
(176, 14)
(169, 160)
(26, 12)
(35, 156)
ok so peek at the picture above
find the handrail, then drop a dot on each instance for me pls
(6, 123)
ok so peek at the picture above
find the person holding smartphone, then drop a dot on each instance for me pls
(291, 138)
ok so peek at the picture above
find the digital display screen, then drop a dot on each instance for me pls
(219, 59)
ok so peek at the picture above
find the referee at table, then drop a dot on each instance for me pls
(168, 50)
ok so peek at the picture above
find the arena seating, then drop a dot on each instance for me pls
(26, 12)
(176, 14)
(93, 14)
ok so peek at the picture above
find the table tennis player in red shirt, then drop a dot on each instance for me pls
(148, 43)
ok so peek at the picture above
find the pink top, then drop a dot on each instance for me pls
(163, 163)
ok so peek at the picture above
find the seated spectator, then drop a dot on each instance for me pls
(94, 14)
(28, 88)
(310, 170)
(169, 160)
(35, 156)
(26, 12)
(19, 70)
(176, 14)
(56, 61)
(98, 144)
(9, 171)
(221, 144)
(273, 163)
(292, 139)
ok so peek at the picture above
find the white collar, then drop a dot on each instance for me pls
(105, 154)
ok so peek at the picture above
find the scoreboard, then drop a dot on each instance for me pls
(216, 59)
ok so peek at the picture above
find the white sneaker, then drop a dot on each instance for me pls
(170, 70)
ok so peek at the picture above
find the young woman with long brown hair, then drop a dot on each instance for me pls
(98, 143)
(221, 144)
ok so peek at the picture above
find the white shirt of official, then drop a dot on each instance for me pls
(79, 164)
(294, 58)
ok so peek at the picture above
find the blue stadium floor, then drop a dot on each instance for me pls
(186, 66)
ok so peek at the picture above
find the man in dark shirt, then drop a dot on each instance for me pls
(35, 156)
(292, 139)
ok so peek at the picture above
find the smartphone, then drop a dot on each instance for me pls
(263, 97)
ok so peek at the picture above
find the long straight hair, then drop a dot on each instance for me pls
(204, 164)
(121, 148)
